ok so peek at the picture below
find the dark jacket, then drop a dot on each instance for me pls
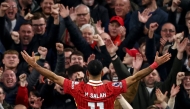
(182, 100)
(82, 45)
(143, 99)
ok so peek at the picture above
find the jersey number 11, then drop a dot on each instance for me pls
(93, 105)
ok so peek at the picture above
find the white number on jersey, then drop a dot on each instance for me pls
(93, 105)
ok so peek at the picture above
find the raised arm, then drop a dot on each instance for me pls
(47, 73)
(142, 73)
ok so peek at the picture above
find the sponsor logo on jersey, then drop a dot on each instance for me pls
(117, 84)
(73, 84)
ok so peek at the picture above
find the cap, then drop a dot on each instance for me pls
(132, 52)
(117, 19)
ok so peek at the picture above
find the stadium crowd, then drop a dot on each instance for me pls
(145, 42)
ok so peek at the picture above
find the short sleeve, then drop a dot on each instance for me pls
(69, 86)
(119, 87)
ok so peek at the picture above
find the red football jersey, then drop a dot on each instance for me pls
(94, 95)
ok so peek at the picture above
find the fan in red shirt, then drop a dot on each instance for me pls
(94, 94)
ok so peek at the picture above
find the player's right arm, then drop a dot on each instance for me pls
(142, 73)
(47, 73)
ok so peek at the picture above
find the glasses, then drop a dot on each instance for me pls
(170, 30)
(82, 14)
(36, 25)
(12, 6)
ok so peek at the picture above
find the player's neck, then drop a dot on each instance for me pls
(95, 79)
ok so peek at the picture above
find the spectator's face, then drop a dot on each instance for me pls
(31, 98)
(167, 32)
(142, 51)
(39, 26)
(128, 59)
(67, 59)
(26, 34)
(186, 82)
(2, 95)
(59, 89)
(112, 70)
(75, 59)
(12, 10)
(88, 34)
(78, 76)
(47, 66)
(10, 61)
(83, 16)
(146, 2)
(46, 6)
(27, 2)
(122, 7)
(113, 29)
(152, 78)
(9, 78)
(88, 2)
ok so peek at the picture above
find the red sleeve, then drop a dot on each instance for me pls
(22, 96)
(119, 87)
(70, 86)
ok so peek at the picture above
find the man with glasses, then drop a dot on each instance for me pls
(38, 24)
(167, 32)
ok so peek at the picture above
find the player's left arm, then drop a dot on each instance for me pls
(142, 73)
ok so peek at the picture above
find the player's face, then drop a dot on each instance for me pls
(152, 78)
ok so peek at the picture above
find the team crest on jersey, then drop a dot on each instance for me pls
(73, 84)
(117, 84)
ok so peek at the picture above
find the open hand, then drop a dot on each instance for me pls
(144, 16)
(111, 48)
(31, 60)
(181, 46)
(137, 61)
(160, 96)
(162, 59)
(64, 11)
(174, 90)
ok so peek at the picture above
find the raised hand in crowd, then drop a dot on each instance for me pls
(111, 48)
(174, 90)
(55, 13)
(4, 6)
(37, 104)
(23, 81)
(144, 16)
(175, 5)
(59, 48)
(64, 11)
(42, 51)
(177, 38)
(99, 28)
(161, 98)
(90, 58)
(152, 28)
(98, 39)
(28, 16)
(179, 78)
(137, 62)
(73, 14)
(122, 32)
(181, 46)
(15, 37)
